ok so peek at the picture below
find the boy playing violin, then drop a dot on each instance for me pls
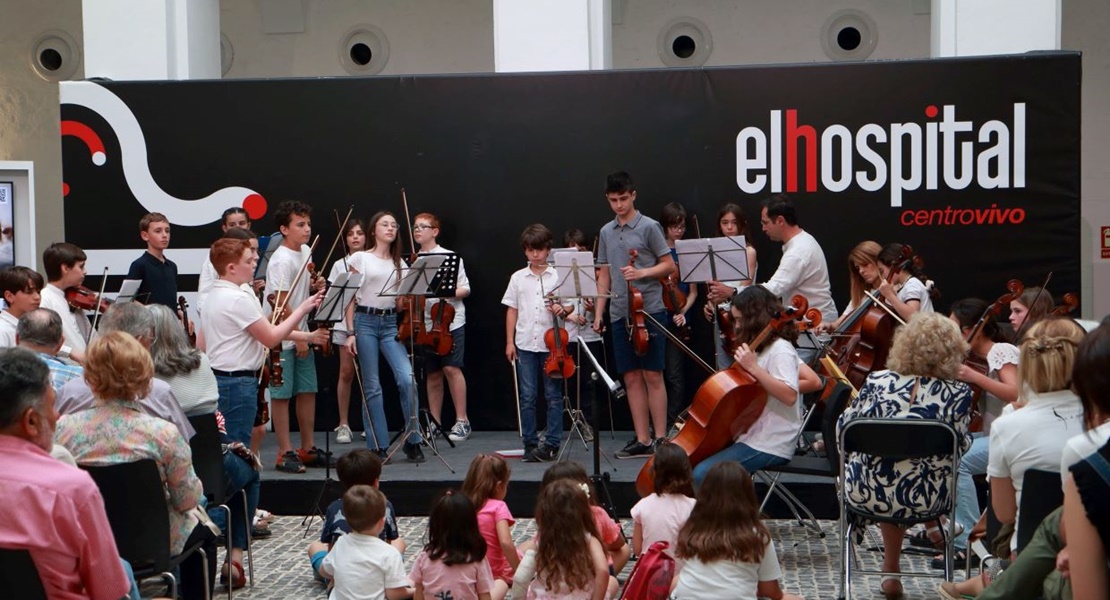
(643, 375)
(425, 230)
(527, 317)
(21, 288)
(65, 268)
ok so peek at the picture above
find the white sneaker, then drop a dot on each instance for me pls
(343, 434)
(460, 431)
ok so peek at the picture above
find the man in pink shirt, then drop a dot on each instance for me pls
(51, 509)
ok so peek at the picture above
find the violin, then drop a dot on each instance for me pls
(80, 297)
(183, 306)
(273, 357)
(675, 300)
(559, 364)
(326, 348)
(637, 328)
(726, 405)
(439, 336)
(262, 410)
(1014, 289)
(1068, 304)
(410, 319)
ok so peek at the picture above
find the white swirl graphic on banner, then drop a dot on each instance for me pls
(136, 169)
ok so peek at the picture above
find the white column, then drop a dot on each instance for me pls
(146, 39)
(552, 35)
(978, 27)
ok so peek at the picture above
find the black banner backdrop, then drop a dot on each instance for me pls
(973, 162)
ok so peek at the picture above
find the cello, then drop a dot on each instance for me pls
(727, 404)
(637, 328)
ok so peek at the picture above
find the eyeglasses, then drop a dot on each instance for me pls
(681, 227)
(421, 227)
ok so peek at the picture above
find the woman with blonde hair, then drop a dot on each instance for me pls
(863, 276)
(118, 370)
(919, 383)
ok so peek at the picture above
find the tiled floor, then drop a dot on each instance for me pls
(810, 564)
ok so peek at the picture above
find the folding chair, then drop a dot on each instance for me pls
(809, 463)
(899, 439)
(20, 576)
(208, 462)
(135, 501)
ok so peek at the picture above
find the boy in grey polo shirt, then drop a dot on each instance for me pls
(642, 375)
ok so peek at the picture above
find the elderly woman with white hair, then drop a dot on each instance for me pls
(919, 383)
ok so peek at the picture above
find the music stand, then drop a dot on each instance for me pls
(702, 260)
(339, 296)
(422, 278)
(272, 243)
(129, 290)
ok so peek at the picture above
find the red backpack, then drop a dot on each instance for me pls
(652, 575)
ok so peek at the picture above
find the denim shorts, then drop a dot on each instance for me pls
(622, 347)
(435, 362)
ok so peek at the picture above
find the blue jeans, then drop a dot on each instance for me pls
(973, 462)
(133, 593)
(240, 476)
(238, 403)
(376, 336)
(529, 370)
(751, 459)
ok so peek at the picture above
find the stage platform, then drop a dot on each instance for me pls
(412, 487)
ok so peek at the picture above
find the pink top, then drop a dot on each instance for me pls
(491, 512)
(607, 528)
(661, 516)
(55, 511)
(458, 582)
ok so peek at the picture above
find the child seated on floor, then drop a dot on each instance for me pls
(357, 467)
(360, 564)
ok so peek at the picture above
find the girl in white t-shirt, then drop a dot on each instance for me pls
(453, 562)
(372, 320)
(659, 516)
(774, 365)
(907, 291)
(728, 552)
(354, 238)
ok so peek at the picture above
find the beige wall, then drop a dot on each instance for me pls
(1087, 28)
(746, 32)
(29, 123)
(425, 36)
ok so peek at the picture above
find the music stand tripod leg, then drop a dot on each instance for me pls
(315, 510)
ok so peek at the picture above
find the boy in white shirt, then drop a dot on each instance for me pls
(21, 288)
(294, 221)
(361, 565)
(65, 268)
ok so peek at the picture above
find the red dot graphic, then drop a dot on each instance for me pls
(65, 189)
(255, 205)
(930, 111)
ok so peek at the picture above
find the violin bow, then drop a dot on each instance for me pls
(408, 221)
(338, 237)
(1037, 296)
(96, 309)
(346, 249)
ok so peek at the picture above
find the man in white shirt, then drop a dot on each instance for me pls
(65, 268)
(802, 269)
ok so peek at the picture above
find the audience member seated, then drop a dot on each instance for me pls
(1032, 435)
(190, 376)
(51, 509)
(133, 319)
(118, 370)
(920, 383)
(40, 331)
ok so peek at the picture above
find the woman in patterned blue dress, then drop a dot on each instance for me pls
(920, 383)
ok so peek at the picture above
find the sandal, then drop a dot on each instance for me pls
(263, 516)
(948, 591)
(924, 537)
(238, 580)
(289, 463)
(892, 592)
